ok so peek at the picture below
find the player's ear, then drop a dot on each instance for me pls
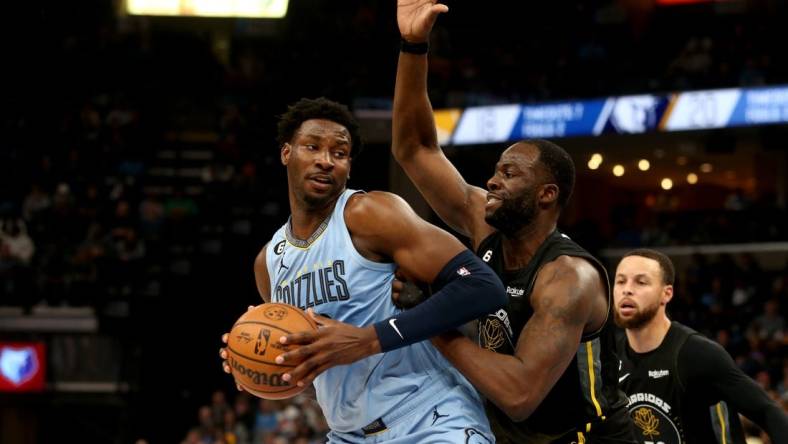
(287, 149)
(549, 193)
(667, 294)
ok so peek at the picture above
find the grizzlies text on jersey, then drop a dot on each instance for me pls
(328, 274)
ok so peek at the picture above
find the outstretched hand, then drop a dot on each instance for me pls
(334, 343)
(416, 18)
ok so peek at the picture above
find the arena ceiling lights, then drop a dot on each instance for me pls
(209, 8)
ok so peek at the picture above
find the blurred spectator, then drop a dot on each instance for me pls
(16, 244)
(782, 385)
(218, 407)
(87, 266)
(36, 202)
(207, 429)
(287, 421)
(267, 419)
(193, 436)
(741, 295)
(151, 215)
(235, 432)
(694, 62)
(770, 325)
(737, 201)
(244, 412)
(16, 253)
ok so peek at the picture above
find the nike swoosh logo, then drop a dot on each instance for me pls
(391, 323)
(621, 379)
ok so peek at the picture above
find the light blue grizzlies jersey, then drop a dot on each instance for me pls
(328, 274)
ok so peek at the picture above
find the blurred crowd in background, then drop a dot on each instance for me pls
(247, 419)
(140, 172)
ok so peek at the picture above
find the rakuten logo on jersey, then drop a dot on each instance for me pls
(656, 374)
(515, 292)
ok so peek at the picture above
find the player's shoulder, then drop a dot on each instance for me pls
(700, 357)
(260, 260)
(374, 207)
(573, 268)
(373, 200)
(699, 345)
(379, 215)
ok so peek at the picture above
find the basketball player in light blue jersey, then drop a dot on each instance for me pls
(376, 378)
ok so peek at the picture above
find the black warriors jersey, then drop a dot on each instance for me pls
(587, 392)
(664, 408)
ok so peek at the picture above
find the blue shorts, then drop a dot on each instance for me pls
(456, 418)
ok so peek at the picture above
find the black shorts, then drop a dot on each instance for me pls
(617, 428)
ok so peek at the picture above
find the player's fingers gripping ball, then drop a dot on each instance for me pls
(253, 346)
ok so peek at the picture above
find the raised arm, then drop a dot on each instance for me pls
(414, 139)
(563, 298)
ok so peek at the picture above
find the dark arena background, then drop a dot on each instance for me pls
(139, 177)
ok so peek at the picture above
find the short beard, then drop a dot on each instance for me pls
(319, 202)
(513, 214)
(641, 318)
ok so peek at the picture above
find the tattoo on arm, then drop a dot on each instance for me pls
(560, 314)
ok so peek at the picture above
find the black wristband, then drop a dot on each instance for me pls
(470, 290)
(414, 48)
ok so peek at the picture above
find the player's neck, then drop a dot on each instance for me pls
(305, 220)
(519, 248)
(649, 336)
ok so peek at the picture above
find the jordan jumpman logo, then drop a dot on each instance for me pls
(436, 415)
(282, 263)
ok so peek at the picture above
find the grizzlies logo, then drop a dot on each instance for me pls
(18, 365)
(473, 436)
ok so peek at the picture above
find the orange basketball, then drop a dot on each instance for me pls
(253, 345)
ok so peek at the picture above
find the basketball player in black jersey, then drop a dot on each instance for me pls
(545, 362)
(682, 387)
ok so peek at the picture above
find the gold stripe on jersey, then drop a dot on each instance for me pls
(720, 416)
(592, 366)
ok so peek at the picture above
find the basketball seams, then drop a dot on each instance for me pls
(291, 309)
(255, 391)
(259, 376)
(260, 323)
(258, 360)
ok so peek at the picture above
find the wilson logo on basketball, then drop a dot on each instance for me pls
(259, 378)
(275, 313)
